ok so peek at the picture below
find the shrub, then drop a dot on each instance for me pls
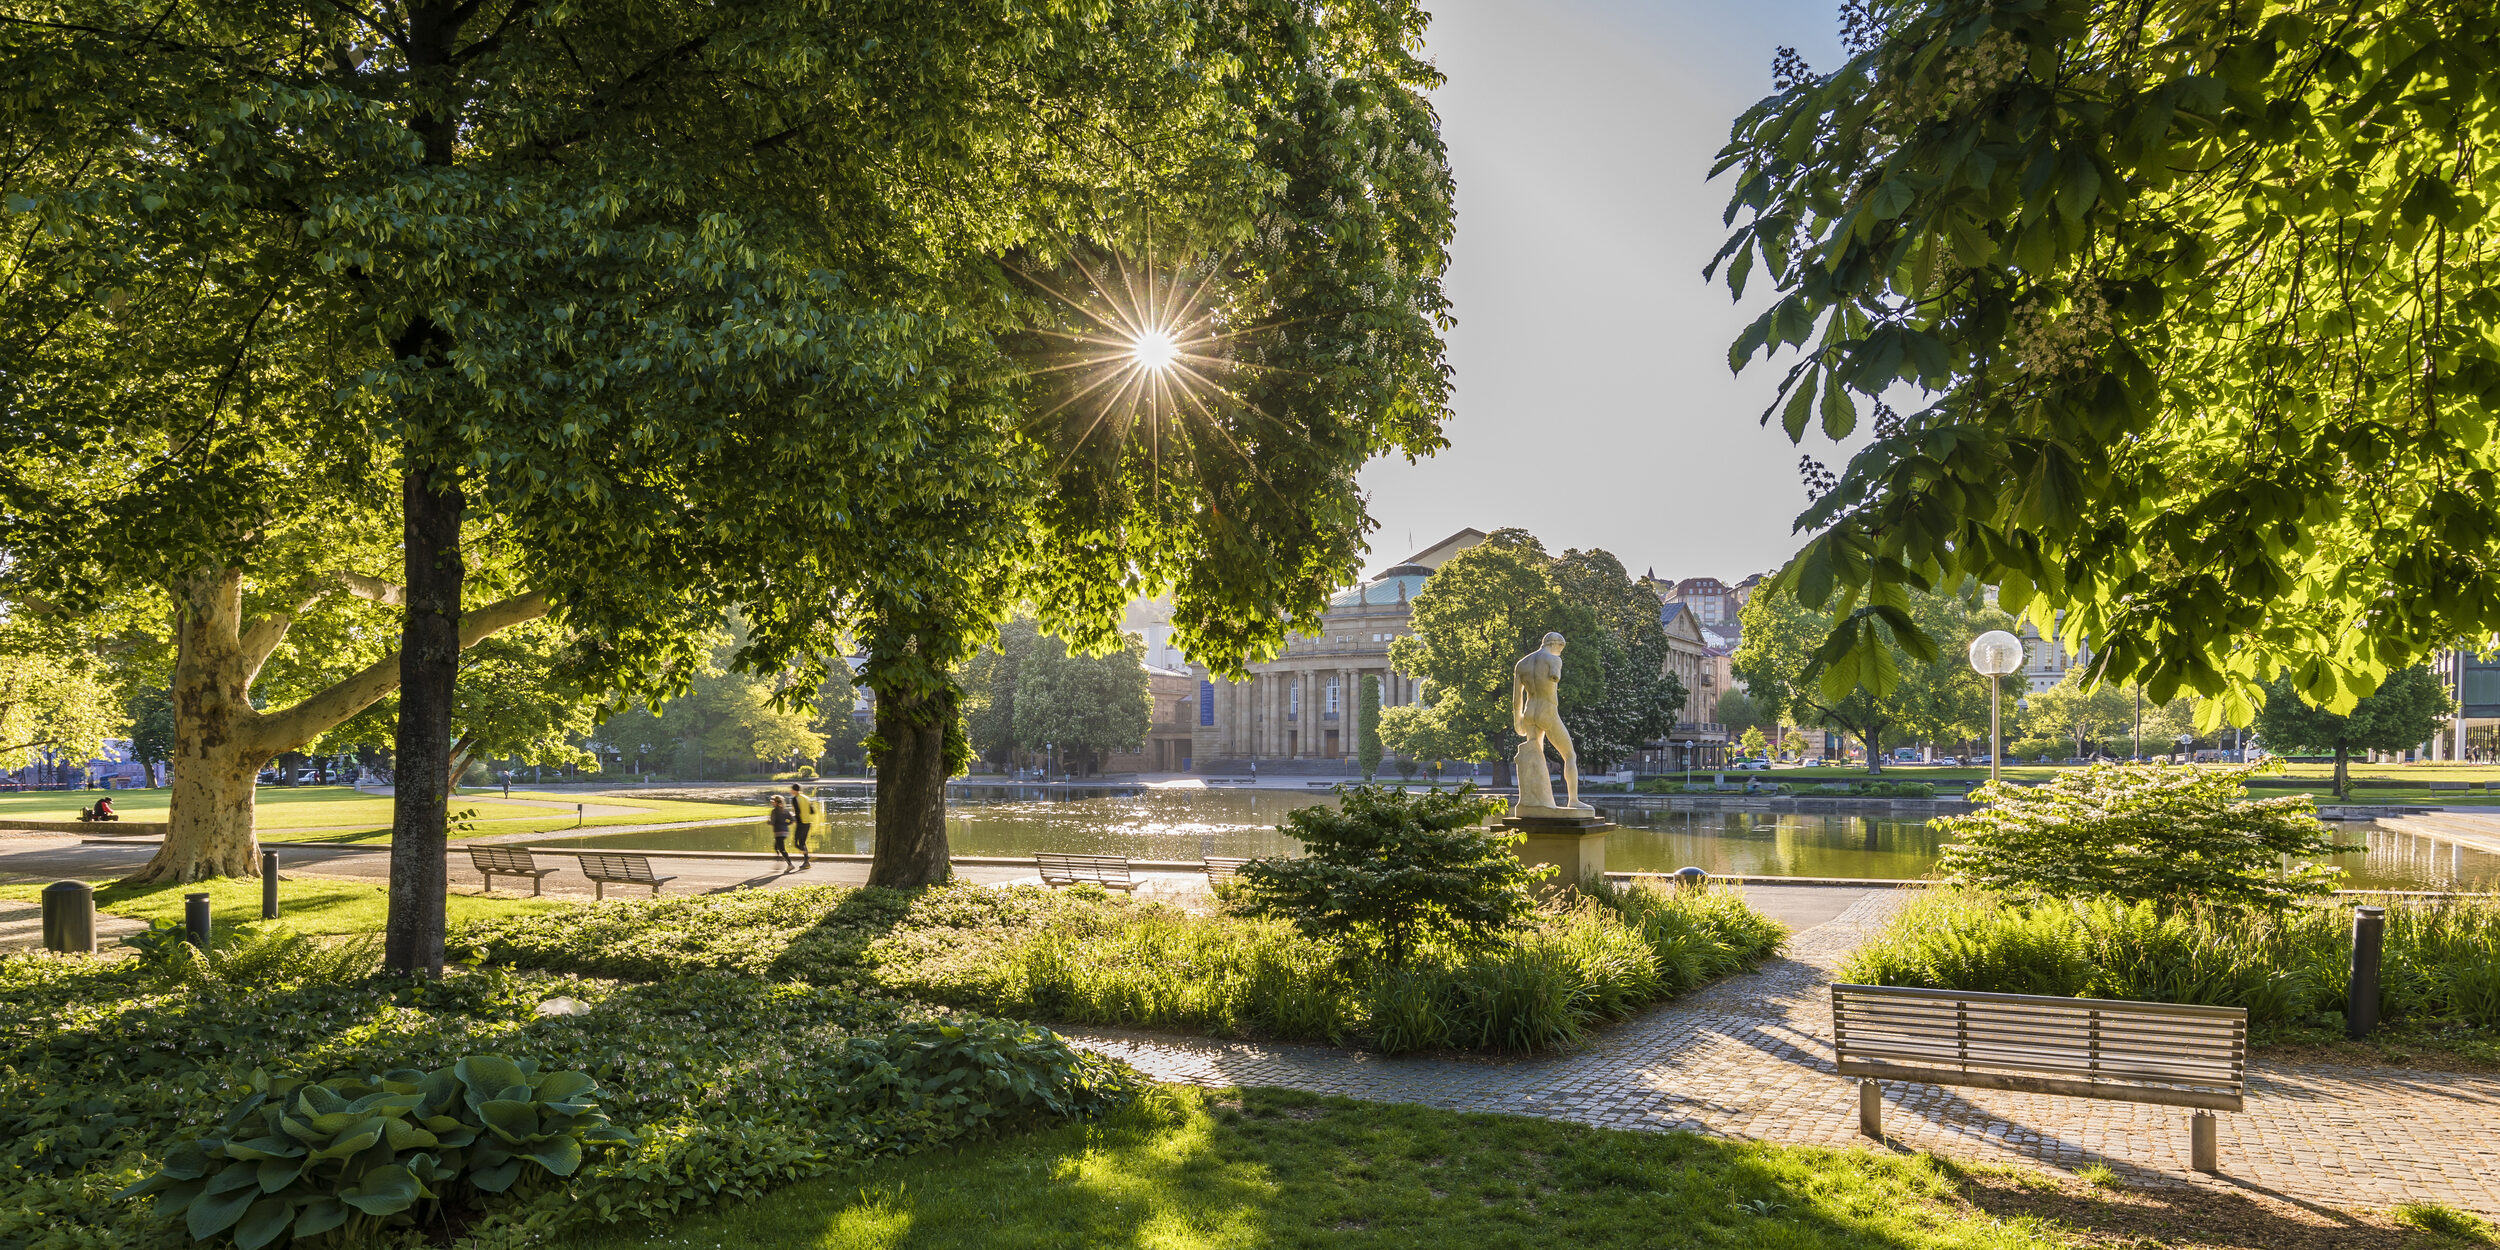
(2139, 832)
(1390, 871)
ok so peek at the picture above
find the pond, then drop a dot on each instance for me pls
(1191, 824)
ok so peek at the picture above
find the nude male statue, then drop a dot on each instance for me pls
(1536, 712)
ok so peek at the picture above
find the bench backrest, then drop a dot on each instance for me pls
(501, 859)
(1223, 867)
(1103, 868)
(626, 868)
(2171, 1053)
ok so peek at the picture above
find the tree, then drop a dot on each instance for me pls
(1388, 873)
(53, 702)
(1495, 602)
(2082, 711)
(511, 701)
(2198, 295)
(687, 281)
(989, 686)
(150, 711)
(1801, 742)
(1754, 743)
(2403, 712)
(1794, 669)
(2139, 832)
(1367, 727)
(1083, 705)
(1738, 711)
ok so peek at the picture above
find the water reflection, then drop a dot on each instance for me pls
(1192, 824)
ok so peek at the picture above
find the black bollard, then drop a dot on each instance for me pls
(2369, 934)
(69, 917)
(268, 885)
(195, 919)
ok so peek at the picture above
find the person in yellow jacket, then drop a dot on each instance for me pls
(806, 814)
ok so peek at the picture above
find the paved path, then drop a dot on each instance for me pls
(21, 927)
(1750, 1058)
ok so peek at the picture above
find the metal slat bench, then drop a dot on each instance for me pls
(1222, 869)
(2169, 1054)
(605, 870)
(508, 861)
(1107, 871)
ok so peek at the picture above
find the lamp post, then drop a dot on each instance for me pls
(1993, 655)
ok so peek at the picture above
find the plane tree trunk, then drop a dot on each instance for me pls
(429, 665)
(221, 742)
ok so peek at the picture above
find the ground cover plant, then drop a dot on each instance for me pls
(316, 906)
(1082, 955)
(1188, 1169)
(2440, 969)
(729, 1086)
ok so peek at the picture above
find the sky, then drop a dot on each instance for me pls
(1593, 404)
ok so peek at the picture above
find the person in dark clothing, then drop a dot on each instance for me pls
(803, 813)
(781, 832)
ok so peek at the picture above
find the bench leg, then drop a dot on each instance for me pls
(490, 881)
(598, 889)
(2204, 1143)
(538, 884)
(1871, 1109)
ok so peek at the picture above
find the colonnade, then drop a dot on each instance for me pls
(1285, 715)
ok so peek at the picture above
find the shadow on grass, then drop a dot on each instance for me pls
(2179, 1215)
(1190, 1168)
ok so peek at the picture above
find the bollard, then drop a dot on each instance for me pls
(268, 885)
(195, 919)
(1691, 876)
(69, 917)
(580, 813)
(2369, 933)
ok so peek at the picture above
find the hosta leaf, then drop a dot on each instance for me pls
(211, 1214)
(263, 1223)
(320, 1216)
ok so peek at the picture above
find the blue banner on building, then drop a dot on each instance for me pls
(1206, 703)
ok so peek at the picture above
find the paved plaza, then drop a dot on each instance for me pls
(1750, 1058)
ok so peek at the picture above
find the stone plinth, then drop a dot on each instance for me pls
(1575, 844)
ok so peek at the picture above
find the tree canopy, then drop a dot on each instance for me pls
(2197, 295)
(1082, 706)
(1787, 661)
(1491, 604)
(2401, 714)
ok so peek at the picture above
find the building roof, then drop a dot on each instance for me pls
(1396, 586)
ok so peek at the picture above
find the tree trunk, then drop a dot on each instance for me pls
(1874, 740)
(217, 759)
(2343, 779)
(429, 662)
(911, 790)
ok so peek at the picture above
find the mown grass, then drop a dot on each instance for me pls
(312, 906)
(340, 814)
(1185, 1169)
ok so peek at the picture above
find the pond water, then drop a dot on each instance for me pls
(1190, 824)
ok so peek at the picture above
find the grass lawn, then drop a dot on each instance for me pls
(344, 814)
(1237, 1169)
(314, 906)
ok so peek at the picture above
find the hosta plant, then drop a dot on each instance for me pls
(348, 1157)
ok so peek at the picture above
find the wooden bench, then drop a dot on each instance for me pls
(1107, 871)
(508, 861)
(1221, 869)
(605, 870)
(2458, 787)
(2168, 1054)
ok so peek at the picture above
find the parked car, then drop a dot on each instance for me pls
(1753, 766)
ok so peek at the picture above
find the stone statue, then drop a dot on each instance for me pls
(1536, 712)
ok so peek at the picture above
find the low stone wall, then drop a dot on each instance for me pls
(1829, 803)
(113, 828)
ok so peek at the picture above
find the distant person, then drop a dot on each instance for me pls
(103, 810)
(781, 832)
(803, 818)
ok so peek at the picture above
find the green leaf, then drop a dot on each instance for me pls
(267, 1219)
(213, 1213)
(1840, 413)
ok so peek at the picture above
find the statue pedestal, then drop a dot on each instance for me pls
(1574, 841)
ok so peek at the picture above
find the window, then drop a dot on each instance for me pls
(1293, 700)
(1332, 698)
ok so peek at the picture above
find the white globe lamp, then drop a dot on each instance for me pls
(1993, 655)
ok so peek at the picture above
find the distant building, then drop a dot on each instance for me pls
(1710, 600)
(1171, 732)
(1698, 739)
(2046, 661)
(1296, 712)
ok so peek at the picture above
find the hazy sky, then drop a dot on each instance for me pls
(1594, 404)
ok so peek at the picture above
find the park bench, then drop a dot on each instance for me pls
(508, 861)
(1107, 871)
(1223, 868)
(2167, 1054)
(605, 870)
(2438, 788)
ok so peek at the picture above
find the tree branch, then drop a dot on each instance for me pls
(266, 633)
(283, 731)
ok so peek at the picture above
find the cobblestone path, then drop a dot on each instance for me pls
(1750, 1058)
